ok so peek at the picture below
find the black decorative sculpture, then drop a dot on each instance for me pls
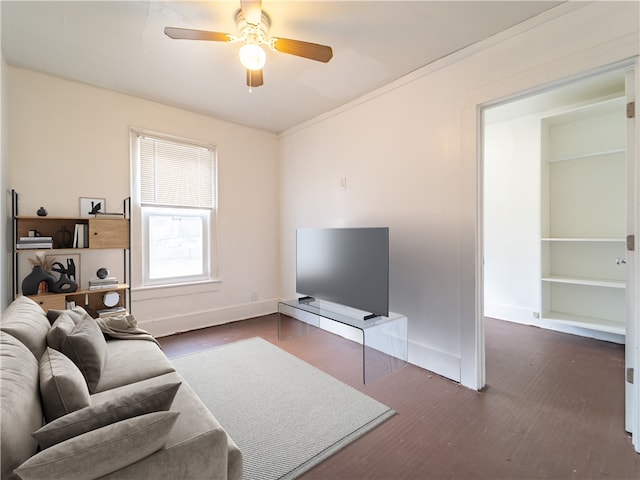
(64, 284)
(71, 269)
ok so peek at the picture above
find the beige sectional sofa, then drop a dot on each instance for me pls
(77, 405)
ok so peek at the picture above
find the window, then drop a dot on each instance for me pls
(176, 193)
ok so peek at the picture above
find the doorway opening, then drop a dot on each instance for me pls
(557, 209)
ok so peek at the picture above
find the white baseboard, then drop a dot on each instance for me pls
(511, 313)
(583, 332)
(441, 363)
(161, 327)
(525, 317)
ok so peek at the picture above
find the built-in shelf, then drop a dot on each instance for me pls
(602, 325)
(593, 282)
(582, 156)
(566, 239)
(583, 219)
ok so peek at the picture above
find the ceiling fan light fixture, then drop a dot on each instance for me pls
(253, 24)
(252, 56)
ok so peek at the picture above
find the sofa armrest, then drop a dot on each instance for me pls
(236, 467)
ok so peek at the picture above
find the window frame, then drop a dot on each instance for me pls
(142, 211)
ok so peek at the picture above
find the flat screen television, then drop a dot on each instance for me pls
(347, 266)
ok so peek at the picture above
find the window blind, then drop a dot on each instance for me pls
(176, 174)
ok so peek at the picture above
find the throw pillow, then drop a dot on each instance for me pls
(151, 399)
(26, 321)
(76, 314)
(62, 327)
(62, 386)
(87, 348)
(101, 451)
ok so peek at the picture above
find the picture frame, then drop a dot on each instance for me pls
(66, 259)
(89, 205)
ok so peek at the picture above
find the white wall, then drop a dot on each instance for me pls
(512, 219)
(69, 140)
(409, 153)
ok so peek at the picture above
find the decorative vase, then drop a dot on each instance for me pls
(31, 283)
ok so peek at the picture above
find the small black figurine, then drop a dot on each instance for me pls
(42, 212)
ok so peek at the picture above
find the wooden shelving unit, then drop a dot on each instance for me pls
(104, 233)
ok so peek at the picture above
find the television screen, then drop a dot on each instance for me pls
(348, 266)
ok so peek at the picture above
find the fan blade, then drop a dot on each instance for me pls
(188, 34)
(254, 78)
(252, 11)
(312, 51)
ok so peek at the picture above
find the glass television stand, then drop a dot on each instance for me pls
(383, 339)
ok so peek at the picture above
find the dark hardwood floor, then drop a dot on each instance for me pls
(553, 407)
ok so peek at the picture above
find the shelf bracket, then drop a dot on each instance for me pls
(631, 110)
(631, 243)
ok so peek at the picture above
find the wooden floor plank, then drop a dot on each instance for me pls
(553, 407)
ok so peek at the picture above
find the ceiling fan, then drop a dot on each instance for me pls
(253, 25)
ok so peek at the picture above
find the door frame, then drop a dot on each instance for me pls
(632, 339)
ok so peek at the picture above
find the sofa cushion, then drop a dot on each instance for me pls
(199, 457)
(87, 348)
(195, 418)
(76, 314)
(155, 398)
(61, 328)
(20, 407)
(130, 361)
(62, 386)
(26, 321)
(102, 451)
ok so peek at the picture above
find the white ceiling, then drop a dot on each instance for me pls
(120, 45)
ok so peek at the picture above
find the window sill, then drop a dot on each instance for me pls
(175, 290)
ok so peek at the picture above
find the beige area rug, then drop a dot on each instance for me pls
(285, 415)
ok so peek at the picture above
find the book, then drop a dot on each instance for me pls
(78, 236)
(102, 287)
(103, 281)
(81, 235)
(36, 239)
(34, 245)
(85, 227)
(109, 279)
